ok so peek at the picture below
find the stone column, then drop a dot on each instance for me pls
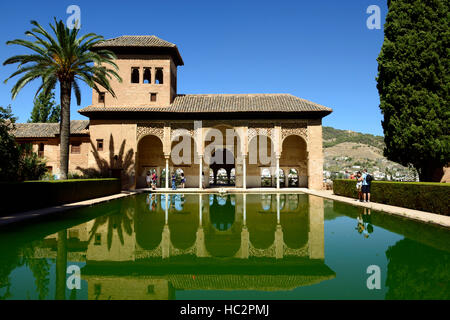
(278, 172)
(200, 171)
(244, 172)
(167, 172)
(316, 228)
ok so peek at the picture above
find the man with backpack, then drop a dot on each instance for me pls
(367, 180)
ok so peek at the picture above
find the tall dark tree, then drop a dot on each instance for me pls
(45, 109)
(64, 58)
(9, 151)
(413, 83)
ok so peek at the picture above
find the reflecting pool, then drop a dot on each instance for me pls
(238, 246)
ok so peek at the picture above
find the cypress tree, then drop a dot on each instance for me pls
(413, 84)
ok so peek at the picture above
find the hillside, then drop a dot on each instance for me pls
(332, 137)
(346, 150)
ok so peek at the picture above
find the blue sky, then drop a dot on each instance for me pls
(317, 50)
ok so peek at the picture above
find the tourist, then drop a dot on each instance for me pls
(174, 181)
(148, 179)
(366, 179)
(346, 175)
(154, 180)
(359, 182)
(183, 180)
(203, 180)
(352, 176)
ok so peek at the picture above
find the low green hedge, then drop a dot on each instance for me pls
(425, 196)
(29, 195)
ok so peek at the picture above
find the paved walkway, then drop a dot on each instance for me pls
(39, 213)
(422, 216)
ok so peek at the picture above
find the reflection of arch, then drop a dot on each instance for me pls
(183, 224)
(221, 213)
(148, 225)
(150, 156)
(223, 236)
(261, 224)
(295, 224)
(294, 155)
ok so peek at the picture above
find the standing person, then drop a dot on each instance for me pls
(359, 182)
(203, 180)
(367, 179)
(174, 181)
(183, 180)
(148, 179)
(352, 176)
(154, 179)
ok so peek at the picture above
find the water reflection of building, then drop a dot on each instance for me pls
(162, 243)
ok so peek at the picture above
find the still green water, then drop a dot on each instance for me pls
(253, 246)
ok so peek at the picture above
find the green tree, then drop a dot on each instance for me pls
(64, 58)
(413, 83)
(9, 152)
(45, 109)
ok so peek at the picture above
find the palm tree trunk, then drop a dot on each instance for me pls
(64, 129)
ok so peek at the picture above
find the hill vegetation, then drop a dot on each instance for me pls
(332, 137)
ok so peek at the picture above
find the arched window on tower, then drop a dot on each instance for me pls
(159, 76)
(147, 75)
(134, 75)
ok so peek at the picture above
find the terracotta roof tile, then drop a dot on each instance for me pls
(214, 103)
(47, 130)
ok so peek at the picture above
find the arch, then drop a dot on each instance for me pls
(150, 156)
(134, 75)
(293, 178)
(184, 156)
(222, 163)
(294, 155)
(159, 76)
(266, 177)
(261, 154)
(147, 75)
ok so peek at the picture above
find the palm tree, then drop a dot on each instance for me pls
(65, 58)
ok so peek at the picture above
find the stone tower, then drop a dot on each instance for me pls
(148, 68)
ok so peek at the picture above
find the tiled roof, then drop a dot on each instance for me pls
(47, 130)
(218, 103)
(135, 41)
(141, 42)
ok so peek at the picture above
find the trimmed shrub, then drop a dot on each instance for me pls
(425, 196)
(29, 195)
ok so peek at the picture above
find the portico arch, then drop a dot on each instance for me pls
(294, 155)
(150, 156)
